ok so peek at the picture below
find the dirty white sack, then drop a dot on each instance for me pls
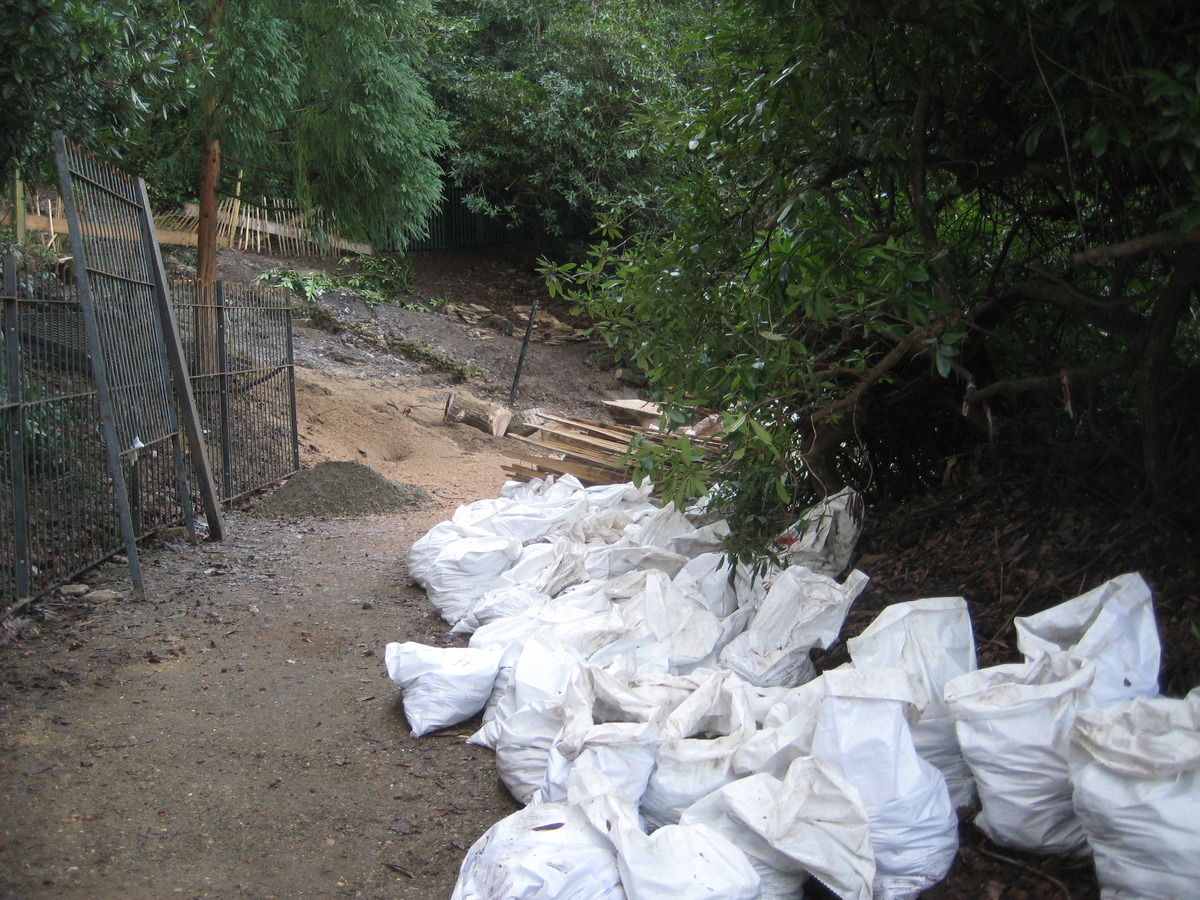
(1110, 627)
(676, 862)
(1135, 767)
(700, 738)
(1013, 723)
(824, 537)
(801, 611)
(863, 728)
(547, 852)
(810, 822)
(442, 685)
(932, 640)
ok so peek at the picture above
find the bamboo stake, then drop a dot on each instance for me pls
(237, 208)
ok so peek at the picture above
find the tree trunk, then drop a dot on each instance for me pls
(206, 234)
(1151, 387)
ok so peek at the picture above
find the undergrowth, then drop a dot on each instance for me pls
(379, 280)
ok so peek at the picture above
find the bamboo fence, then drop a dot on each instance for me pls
(267, 226)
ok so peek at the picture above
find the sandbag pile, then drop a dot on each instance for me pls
(657, 712)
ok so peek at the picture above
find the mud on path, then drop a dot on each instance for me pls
(235, 734)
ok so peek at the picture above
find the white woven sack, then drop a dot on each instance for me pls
(864, 729)
(1136, 772)
(1112, 628)
(810, 822)
(1013, 724)
(547, 852)
(932, 640)
(442, 685)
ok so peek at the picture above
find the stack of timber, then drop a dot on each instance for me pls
(593, 452)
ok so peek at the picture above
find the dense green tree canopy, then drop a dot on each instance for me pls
(542, 95)
(911, 210)
(94, 68)
(326, 102)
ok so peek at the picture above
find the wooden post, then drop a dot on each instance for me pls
(18, 207)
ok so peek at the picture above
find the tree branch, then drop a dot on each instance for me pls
(1116, 366)
(1134, 246)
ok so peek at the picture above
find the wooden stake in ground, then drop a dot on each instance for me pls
(490, 418)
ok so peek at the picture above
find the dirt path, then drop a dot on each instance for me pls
(236, 734)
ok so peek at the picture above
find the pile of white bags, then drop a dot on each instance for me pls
(657, 710)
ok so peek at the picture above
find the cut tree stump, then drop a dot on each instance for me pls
(490, 418)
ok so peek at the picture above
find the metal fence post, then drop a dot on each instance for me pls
(291, 383)
(223, 395)
(16, 435)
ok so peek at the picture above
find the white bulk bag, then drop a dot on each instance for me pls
(801, 611)
(1013, 722)
(707, 579)
(786, 733)
(811, 822)
(548, 852)
(864, 729)
(627, 555)
(425, 549)
(533, 520)
(1110, 627)
(625, 496)
(665, 525)
(466, 569)
(547, 662)
(607, 727)
(932, 640)
(499, 603)
(551, 487)
(700, 739)
(510, 634)
(442, 685)
(1135, 768)
(522, 742)
(676, 862)
(549, 567)
(824, 537)
(685, 630)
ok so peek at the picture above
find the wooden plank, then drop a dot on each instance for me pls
(595, 459)
(586, 474)
(582, 441)
(596, 429)
(579, 439)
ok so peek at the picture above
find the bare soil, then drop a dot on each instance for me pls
(235, 735)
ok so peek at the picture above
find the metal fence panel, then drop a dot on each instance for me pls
(454, 226)
(247, 405)
(58, 513)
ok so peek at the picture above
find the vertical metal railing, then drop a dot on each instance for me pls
(248, 405)
(58, 514)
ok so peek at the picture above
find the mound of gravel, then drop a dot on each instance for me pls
(339, 490)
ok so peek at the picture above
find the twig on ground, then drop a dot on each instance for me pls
(1028, 868)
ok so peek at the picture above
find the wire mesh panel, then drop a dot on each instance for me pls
(58, 512)
(124, 298)
(247, 404)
